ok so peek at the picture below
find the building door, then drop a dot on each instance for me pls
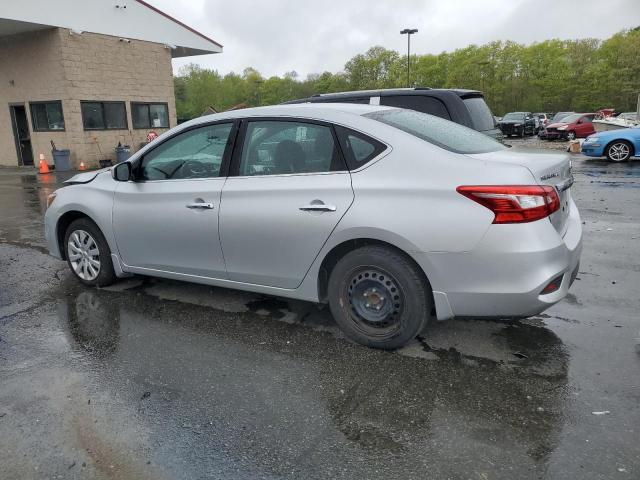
(21, 134)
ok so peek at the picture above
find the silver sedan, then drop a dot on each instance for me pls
(392, 217)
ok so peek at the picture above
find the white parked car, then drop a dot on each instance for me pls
(393, 217)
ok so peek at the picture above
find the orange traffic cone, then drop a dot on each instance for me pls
(42, 166)
(82, 167)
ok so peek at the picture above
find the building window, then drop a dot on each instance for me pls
(104, 115)
(47, 116)
(150, 115)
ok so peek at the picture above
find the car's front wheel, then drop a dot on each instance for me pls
(88, 254)
(619, 151)
(571, 135)
(379, 297)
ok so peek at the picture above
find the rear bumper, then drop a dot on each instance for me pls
(505, 275)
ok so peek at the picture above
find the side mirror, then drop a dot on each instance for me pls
(122, 172)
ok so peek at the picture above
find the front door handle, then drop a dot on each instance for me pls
(318, 207)
(202, 205)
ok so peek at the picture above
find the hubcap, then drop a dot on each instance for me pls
(83, 254)
(619, 151)
(375, 301)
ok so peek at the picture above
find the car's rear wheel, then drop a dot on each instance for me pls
(619, 151)
(379, 297)
(88, 254)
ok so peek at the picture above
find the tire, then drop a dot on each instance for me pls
(92, 268)
(379, 297)
(571, 135)
(619, 151)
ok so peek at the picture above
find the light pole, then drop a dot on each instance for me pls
(408, 32)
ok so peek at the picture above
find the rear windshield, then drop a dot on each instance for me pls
(480, 113)
(443, 133)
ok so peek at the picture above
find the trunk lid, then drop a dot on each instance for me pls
(548, 168)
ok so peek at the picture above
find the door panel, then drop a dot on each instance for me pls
(292, 191)
(266, 238)
(157, 227)
(168, 219)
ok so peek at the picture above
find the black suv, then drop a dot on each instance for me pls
(518, 123)
(466, 107)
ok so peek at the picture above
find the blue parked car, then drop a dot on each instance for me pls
(617, 145)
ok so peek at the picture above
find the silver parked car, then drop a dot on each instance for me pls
(392, 216)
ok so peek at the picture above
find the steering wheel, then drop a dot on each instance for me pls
(194, 169)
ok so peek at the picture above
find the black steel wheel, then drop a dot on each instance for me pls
(379, 297)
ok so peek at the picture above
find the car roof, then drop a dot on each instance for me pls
(383, 92)
(318, 111)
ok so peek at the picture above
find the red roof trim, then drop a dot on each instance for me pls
(142, 2)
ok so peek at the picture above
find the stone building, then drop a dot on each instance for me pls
(87, 75)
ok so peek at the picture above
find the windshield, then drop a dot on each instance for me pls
(559, 116)
(480, 113)
(571, 118)
(514, 116)
(443, 133)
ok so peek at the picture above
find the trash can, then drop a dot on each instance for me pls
(122, 153)
(61, 160)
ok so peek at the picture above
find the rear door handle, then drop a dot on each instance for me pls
(319, 207)
(201, 205)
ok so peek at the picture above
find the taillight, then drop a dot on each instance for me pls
(514, 203)
(553, 285)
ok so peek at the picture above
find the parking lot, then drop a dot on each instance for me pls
(152, 378)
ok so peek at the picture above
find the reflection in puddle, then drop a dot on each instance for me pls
(94, 322)
(296, 380)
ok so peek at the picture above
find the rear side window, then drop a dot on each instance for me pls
(480, 112)
(288, 147)
(420, 103)
(358, 149)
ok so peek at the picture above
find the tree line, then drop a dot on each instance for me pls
(554, 75)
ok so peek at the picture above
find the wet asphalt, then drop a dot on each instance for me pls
(159, 379)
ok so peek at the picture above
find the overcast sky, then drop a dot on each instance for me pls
(277, 36)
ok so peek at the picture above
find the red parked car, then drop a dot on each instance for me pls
(576, 125)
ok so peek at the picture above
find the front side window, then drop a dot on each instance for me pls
(104, 115)
(286, 147)
(150, 115)
(196, 153)
(443, 133)
(47, 116)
